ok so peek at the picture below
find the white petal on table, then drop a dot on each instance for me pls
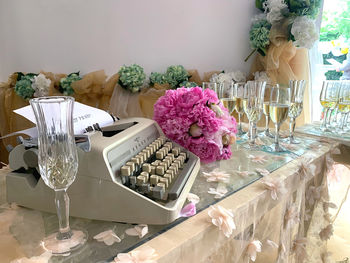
(139, 230)
(109, 237)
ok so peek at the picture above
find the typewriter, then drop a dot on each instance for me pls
(128, 172)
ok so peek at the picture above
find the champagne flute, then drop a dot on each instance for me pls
(210, 85)
(279, 107)
(297, 88)
(266, 110)
(328, 100)
(253, 105)
(238, 93)
(226, 96)
(344, 105)
(58, 165)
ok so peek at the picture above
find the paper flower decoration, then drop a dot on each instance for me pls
(143, 255)
(66, 83)
(275, 186)
(306, 168)
(326, 232)
(219, 192)
(23, 87)
(262, 171)
(257, 159)
(299, 248)
(253, 248)
(131, 77)
(291, 217)
(304, 32)
(195, 119)
(313, 194)
(41, 85)
(108, 237)
(223, 219)
(139, 230)
(217, 176)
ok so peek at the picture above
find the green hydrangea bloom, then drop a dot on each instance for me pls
(259, 35)
(159, 78)
(66, 83)
(23, 87)
(308, 8)
(176, 75)
(188, 84)
(131, 77)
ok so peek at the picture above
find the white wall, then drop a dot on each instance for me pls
(69, 35)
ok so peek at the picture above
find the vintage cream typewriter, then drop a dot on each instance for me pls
(128, 172)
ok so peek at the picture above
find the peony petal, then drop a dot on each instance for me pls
(188, 210)
(193, 198)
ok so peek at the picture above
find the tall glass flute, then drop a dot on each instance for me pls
(328, 99)
(253, 106)
(226, 96)
(279, 106)
(344, 105)
(266, 110)
(297, 88)
(238, 93)
(58, 165)
(210, 85)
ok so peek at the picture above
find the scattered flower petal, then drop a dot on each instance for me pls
(223, 219)
(109, 237)
(253, 248)
(313, 194)
(244, 173)
(257, 159)
(139, 230)
(307, 168)
(219, 192)
(143, 255)
(262, 171)
(275, 186)
(271, 243)
(193, 198)
(188, 210)
(288, 146)
(217, 176)
(259, 141)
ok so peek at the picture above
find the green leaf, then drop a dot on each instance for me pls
(76, 73)
(19, 75)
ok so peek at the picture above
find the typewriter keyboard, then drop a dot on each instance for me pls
(159, 171)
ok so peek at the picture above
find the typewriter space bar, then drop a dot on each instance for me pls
(181, 180)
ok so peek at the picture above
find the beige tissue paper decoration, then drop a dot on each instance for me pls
(223, 219)
(253, 248)
(217, 176)
(143, 255)
(313, 194)
(275, 186)
(291, 217)
(109, 237)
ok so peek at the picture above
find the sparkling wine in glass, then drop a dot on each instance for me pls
(266, 110)
(238, 93)
(344, 104)
(329, 100)
(253, 107)
(58, 165)
(297, 88)
(279, 107)
(226, 95)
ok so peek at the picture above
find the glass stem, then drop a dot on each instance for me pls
(267, 120)
(324, 122)
(62, 207)
(252, 133)
(277, 127)
(291, 128)
(239, 123)
(342, 121)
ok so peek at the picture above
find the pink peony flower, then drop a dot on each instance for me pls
(195, 119)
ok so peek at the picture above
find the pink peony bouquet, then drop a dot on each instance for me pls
(197, 120)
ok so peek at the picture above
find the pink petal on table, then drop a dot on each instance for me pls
(188, 210)
(139, 230)
(193, 198)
